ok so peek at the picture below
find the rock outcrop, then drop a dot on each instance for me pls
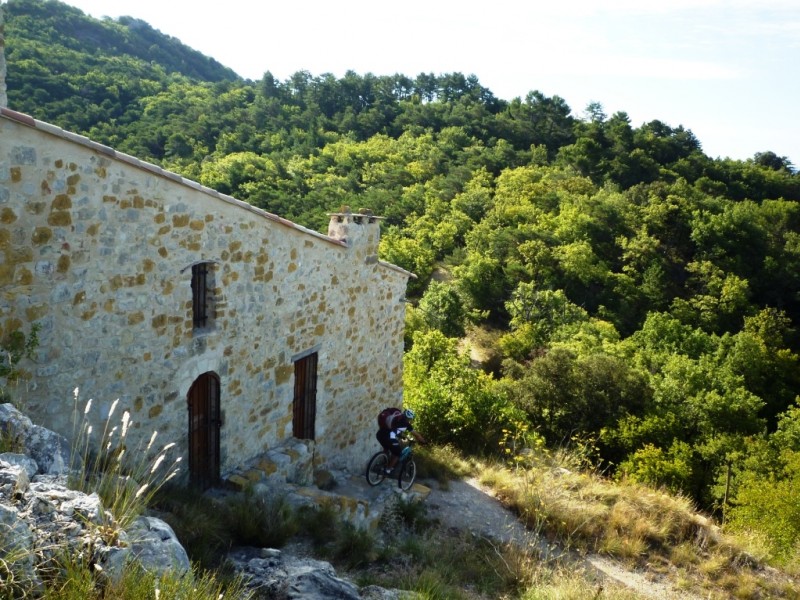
(41, 518)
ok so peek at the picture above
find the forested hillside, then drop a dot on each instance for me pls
(628, 295)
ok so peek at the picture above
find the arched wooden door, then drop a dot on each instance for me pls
(204, 423)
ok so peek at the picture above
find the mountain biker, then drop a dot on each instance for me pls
(389, 437)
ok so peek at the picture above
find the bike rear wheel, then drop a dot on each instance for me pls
(375, 468)
(408, 472)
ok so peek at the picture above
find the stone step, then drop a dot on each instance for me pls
(352, 498)
(291, 462)
(359, 503)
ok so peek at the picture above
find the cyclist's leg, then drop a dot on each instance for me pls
(391, 446)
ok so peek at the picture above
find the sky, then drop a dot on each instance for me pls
(725, 69)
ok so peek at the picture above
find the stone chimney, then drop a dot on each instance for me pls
(3, 97)
(361, 232)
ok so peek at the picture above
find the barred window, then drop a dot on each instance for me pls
(202, 295)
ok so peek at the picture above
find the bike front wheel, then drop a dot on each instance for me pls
(375, 468)
(408, 472)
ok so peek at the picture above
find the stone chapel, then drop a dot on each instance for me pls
(227, 329)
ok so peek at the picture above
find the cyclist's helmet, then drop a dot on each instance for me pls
(409, 414)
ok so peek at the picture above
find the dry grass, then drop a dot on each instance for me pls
(441, 463)
(639, 526)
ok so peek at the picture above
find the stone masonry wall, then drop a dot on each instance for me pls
(96, 247)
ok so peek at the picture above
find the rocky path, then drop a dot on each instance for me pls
(467, 506)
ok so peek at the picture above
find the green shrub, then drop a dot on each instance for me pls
(768, 504)
(441, 463)
(354, 546)
(198, 522)
(261, 520)
(320, 523)
(653, 466)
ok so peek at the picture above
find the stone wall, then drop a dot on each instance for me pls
(97, 247)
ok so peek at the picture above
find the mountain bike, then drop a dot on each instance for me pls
(405, 469)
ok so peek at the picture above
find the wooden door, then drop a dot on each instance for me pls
(204, 423)
(304, 412)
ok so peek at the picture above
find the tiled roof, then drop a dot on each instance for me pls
(156, 170)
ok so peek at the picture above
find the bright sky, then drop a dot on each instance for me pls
(726, 69)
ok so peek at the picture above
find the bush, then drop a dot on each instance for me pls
(261, 520)
(768, 504)
(320, 523)
(354, 546)
(441, 463)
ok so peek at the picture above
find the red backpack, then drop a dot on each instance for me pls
(387, 417)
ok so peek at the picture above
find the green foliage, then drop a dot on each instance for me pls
(441, 463)
(320, 523)
(763, 486)
(442, 309)
(75, 580)
(536, 315)
(354, 546)
(340, 541)
(670, 469)
(454, 403)
(767, 502)
(406, 253)
(198, 522)
(563, 393)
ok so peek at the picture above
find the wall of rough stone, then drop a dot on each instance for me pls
(96, 247)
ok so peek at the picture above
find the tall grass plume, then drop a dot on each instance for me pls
(126, 479)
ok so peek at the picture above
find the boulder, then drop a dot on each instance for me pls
(26, 462)
(285, 577)
(48, 449)
(42, 519)
(154, 544)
